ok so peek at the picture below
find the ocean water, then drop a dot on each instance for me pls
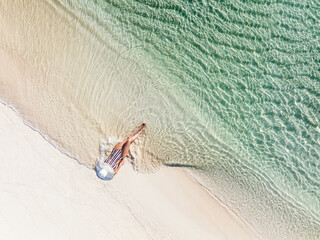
(229, 89)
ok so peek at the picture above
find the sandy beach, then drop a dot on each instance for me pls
(47, 195)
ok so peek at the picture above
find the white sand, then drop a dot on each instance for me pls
(46, 195)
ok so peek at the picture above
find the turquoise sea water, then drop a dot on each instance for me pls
(231, 88)
(228, 88)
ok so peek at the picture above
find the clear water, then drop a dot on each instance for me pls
(230, 88)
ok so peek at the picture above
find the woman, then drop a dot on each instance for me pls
(114, 162)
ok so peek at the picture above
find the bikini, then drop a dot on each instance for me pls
(114, 158)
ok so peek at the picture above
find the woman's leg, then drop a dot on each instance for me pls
(120, 144)
(126, 145)
(131, 138)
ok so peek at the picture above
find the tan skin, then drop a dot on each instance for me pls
(125, 146)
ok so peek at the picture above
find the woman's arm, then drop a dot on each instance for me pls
(119, 166)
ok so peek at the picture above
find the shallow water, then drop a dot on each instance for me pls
(228, 88)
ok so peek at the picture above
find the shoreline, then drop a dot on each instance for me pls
(159, 205)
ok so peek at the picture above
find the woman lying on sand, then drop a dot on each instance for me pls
(114, 162)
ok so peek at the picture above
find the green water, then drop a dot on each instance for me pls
(228, 88)
(235, 93)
